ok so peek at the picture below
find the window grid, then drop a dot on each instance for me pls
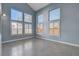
(54, 22)
(19, 22)
(40, 25)
(28, 28)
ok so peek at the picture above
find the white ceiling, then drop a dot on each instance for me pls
(37, 6)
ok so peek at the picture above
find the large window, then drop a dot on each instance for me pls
(40, 25)
(16, 22)
(28, 23)
(54, 21)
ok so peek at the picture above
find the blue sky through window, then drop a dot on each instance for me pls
(40, 18)
(16, 15)
(55, 14)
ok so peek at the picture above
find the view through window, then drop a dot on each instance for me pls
(54, 22)
(17, 22)
(40, 25)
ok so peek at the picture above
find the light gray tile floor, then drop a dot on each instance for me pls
(38, 47)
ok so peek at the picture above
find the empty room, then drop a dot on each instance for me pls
(39, 29)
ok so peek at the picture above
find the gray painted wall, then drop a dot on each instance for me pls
(6, 8)
(69, 29)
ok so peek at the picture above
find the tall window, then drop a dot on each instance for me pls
(16, 22)
(40, 25)
(54, 21)
(28, 23)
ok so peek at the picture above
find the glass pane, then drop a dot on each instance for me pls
(55, 14)
(13, 28)
(16, 15)
(37, 30)
(51, 28)
(40, 28)
(51, 25)
(26, 28)
(30, 30)
(19, 28)
(27, 17)
(56, 28)
(40, 19)
(30, 26)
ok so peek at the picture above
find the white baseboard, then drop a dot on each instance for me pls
(17, 39)
(71, 44)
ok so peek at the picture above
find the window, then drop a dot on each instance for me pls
(54, 28)
(14, 28)
(40, 25)
(40, 28)
(19, 25)
(28, 23)
(54, 14)
(16, 22)
(28, 28)
(54, 21)
(16, 15)
(27, 18)
(40, 19)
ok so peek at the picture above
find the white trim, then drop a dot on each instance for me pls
(17, 39)
(67, 43)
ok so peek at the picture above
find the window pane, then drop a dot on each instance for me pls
(13, 28)
(55, 14)
(19, 28)
(51, 25)
(30, 28)
(56, 28)
(27, 17)
(26, 28)
(16, 15)
(37, 30)
(40, 19)
(51, 28)
(40, 28)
